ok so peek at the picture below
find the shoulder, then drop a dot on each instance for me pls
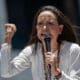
(72, 47)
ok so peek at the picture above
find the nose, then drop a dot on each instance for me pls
(44, 27)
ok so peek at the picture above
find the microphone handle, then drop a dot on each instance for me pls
(49, 72)
(47, 42)
(48, 49)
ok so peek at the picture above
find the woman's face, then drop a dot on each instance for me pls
(47, 24)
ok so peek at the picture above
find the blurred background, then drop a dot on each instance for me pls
(21, 13)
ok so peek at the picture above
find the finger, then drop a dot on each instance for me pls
(47, 56)
(47, 62)
(47, 53)
(10, 27)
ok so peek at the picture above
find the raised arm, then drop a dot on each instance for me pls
(12, 67)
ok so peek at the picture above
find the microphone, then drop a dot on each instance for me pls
(47, 40)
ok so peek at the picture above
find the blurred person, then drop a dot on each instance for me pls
(64, 57)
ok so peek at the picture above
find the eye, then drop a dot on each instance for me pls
(40, 24)
(50, 23)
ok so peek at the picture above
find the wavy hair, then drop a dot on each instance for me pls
(68, 32)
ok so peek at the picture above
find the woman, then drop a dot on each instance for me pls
(61, 63)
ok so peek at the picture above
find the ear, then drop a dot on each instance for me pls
(61, 28)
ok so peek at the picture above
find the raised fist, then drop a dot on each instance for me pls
(10, 29)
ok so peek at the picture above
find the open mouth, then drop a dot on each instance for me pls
(42, 34)
(45, 35)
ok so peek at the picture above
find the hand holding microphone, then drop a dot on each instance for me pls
(51, 59)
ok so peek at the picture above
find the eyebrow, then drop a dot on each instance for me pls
(42, 17)
(51, 20)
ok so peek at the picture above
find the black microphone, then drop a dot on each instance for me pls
(47, 40)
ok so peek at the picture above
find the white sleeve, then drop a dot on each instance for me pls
(74, 68)
(10, 67)
(75, 64)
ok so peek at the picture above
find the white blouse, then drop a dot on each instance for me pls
(69, 61)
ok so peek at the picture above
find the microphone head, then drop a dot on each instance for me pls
(46, 36)
(47, 40)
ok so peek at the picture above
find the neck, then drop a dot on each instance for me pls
(54, 46)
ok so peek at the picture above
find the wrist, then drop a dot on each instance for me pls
(58, 75)
(8, 41)
(56, 72)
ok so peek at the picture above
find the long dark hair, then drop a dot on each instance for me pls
(68, 32)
